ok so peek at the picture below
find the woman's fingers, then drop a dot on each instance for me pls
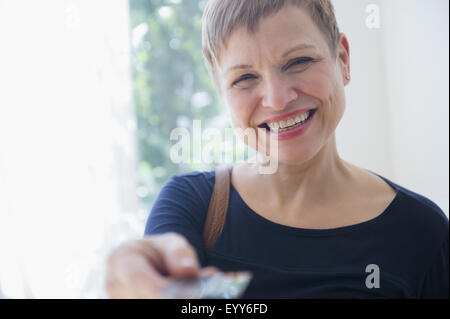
(179, 257)
(209, 271)
(142, 268)
(132, 275)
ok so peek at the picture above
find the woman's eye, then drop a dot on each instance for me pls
(299, 61)
(244, 78)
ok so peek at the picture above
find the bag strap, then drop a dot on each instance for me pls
(218, 205)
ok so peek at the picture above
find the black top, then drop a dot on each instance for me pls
(406, 247)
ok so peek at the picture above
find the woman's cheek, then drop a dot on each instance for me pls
(317, 85)
(324, 86)
(240, 109)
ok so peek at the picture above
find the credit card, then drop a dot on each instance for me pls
(222, 285)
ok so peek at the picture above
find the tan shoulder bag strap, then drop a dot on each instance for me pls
(218, 205)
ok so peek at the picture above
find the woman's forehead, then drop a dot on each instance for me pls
(275, 36)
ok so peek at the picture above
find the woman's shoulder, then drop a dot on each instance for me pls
(200, 178)
(417, 200)
(424, 203)
(184, 194)
(197, 185)
(418, 209)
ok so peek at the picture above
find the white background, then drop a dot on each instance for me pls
(396, 121)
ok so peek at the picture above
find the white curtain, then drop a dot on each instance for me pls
(67, 145)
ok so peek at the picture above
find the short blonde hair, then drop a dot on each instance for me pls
(222, 17)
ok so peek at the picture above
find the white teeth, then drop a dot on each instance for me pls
(304, 116)
(275, 126)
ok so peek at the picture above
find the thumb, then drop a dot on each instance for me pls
(179, 256)
(183, 265)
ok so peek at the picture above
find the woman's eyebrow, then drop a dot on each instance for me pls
(240, 66)
(298, 48)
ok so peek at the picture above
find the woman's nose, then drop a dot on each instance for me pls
(278, 93)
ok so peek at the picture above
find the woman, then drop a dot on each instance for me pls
(318, 227)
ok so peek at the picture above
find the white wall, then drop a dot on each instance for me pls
(396, 122)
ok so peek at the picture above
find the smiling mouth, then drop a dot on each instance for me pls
(289, 124)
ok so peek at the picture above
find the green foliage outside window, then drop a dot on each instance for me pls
(171, 85)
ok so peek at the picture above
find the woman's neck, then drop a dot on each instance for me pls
(320, 179)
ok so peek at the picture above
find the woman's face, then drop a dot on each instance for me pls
(276, 74)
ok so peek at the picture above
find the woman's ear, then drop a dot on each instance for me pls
(344, 58)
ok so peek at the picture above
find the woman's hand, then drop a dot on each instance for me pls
(142, 268)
